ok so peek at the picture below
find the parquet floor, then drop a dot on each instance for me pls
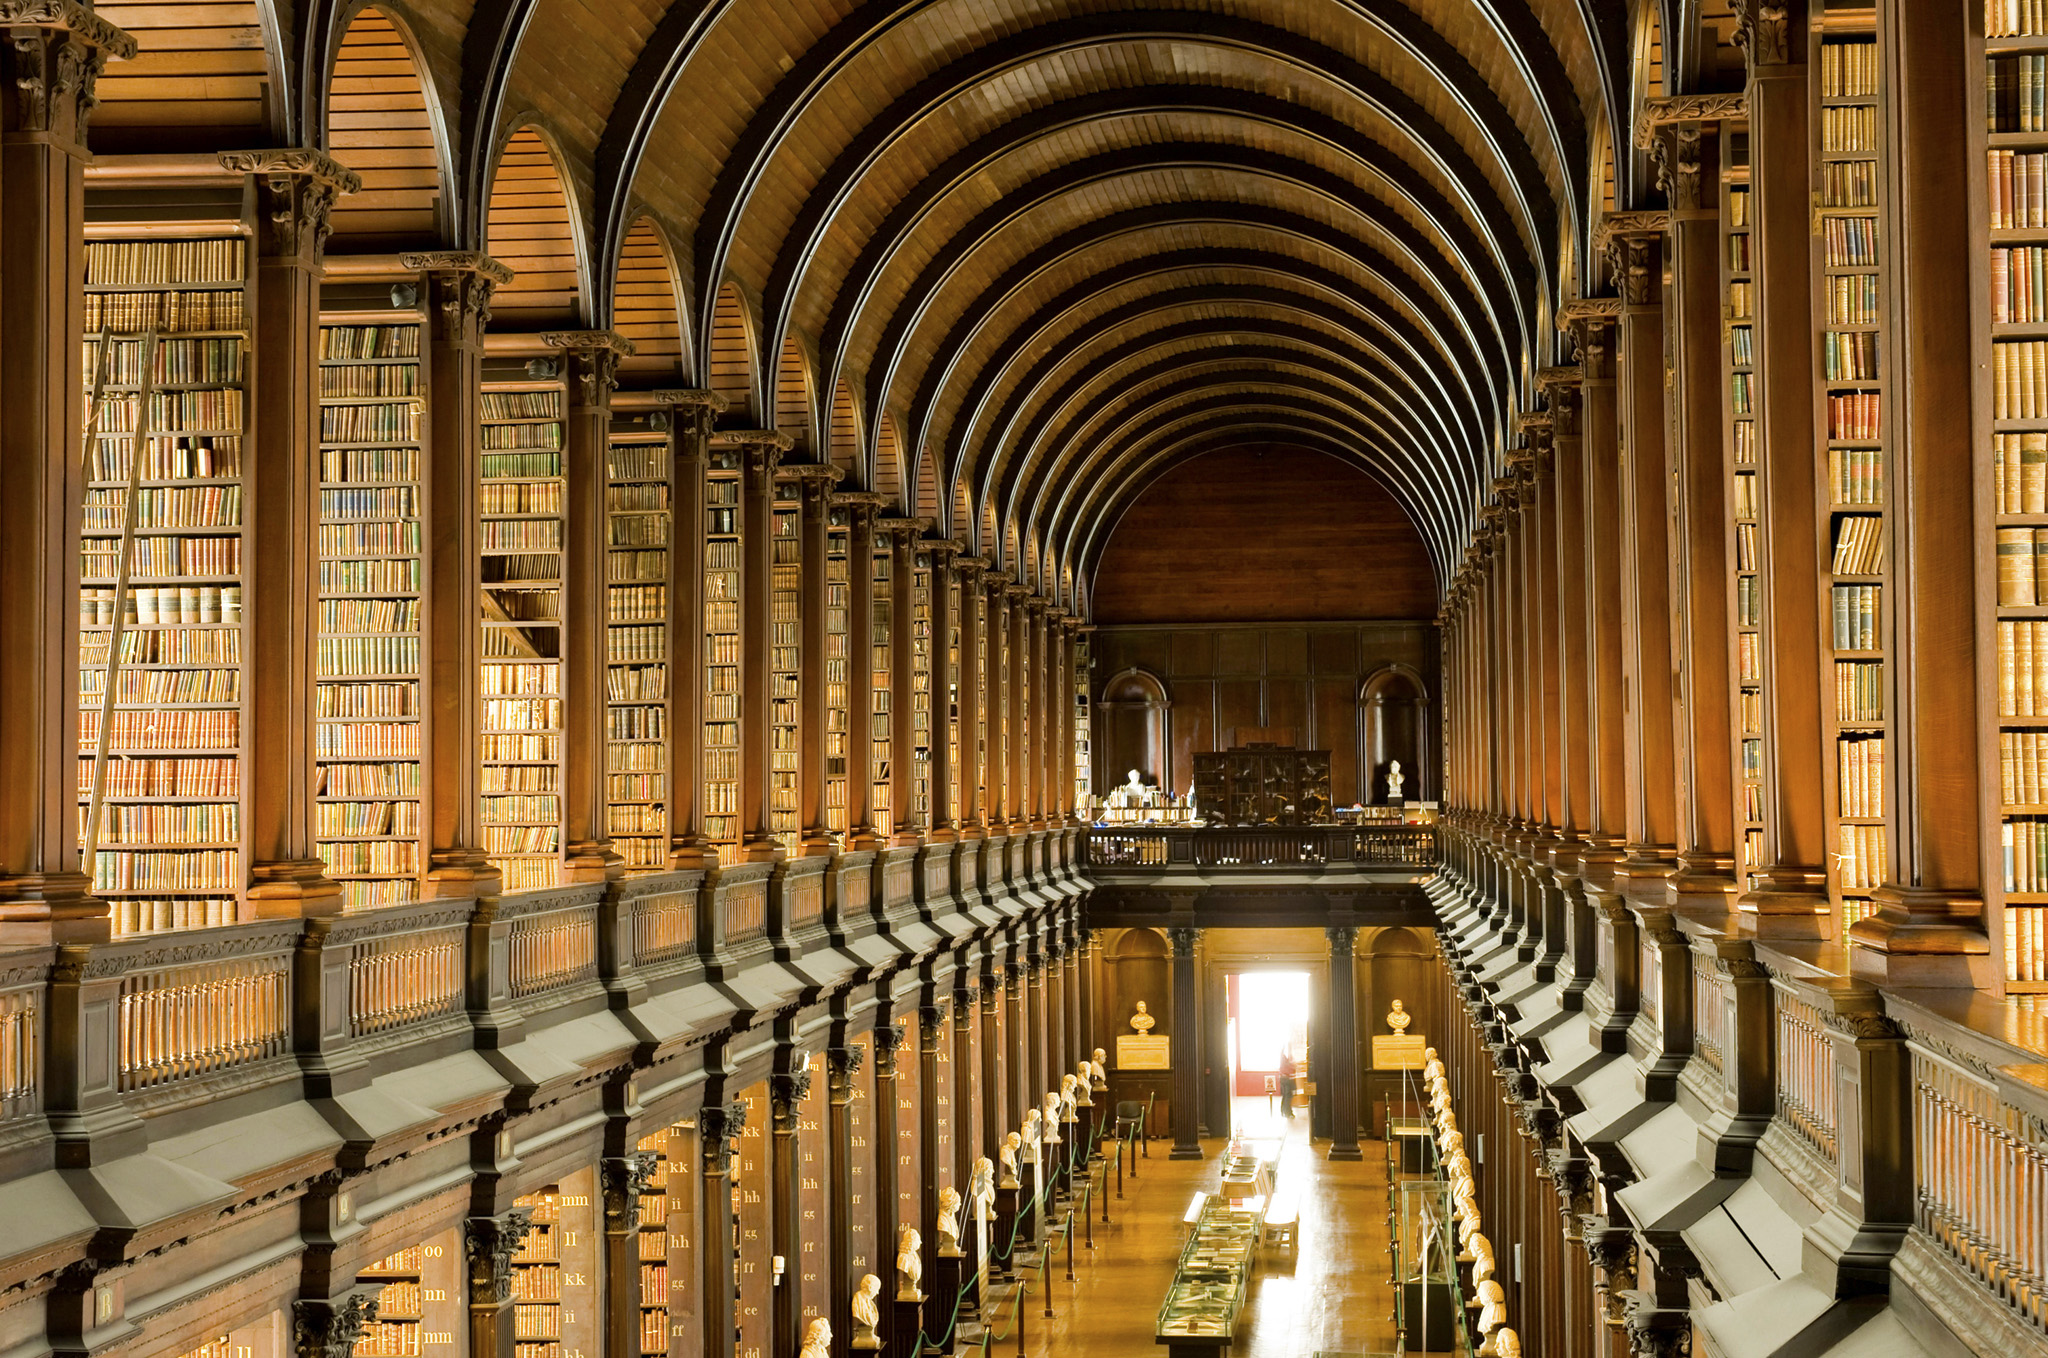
(1331, 1296)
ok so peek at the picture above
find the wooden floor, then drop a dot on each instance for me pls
(1332, 1296)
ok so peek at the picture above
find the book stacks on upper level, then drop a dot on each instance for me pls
(881, 808)
(838, 601)
(1077, 695)
(921, 662)
(1738, 291)
(1851, 296)
(947, 602)
(785, 658)
(638, 517)
(161, 683)
(2012, 340)
(370, 701)
(721, 751)
(523, 503)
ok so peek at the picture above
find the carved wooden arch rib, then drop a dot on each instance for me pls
(1104, 500)
(1158, 415)
(1085, 535)
(720, 227)
(1428, 351)
(1494, 261)
(1451, 325)
(1052, 357)
(1081, 422)
(490, 47)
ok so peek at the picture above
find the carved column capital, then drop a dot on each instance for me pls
(329, 1328)
(786, 1094)
(888, 1038)
(1590, 322)
(55, 53)
(1632, 243)
(593, 361)
(296, 189)
(490, 1243)
(626, 1179)
(1182, 941)
(459, 287)
(718, 1134)
(1763, 29)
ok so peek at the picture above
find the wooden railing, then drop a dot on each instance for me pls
(187, 1010)
(664, 925)
(1262, 846)
(746, 911)
(405, 966)
(1981, 1169)
(899, 883)
(555, 944)
(21, 1036)
(1709, 1014)
(1805, 1073)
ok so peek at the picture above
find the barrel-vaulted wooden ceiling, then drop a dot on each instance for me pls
(1007, 260)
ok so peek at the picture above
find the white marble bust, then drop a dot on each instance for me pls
(1098, 1076)
(909, 1265)
(981, 1188)
(949, 1221)
(1012, 1143)
(817, 1340)
(1032, 1137)
(867, 1311)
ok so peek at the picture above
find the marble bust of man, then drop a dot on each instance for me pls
(867, 1312)
(1012, 1143)
(1399, 1018)
(1032, 1136)
(981, 1188)
(949, 1222)
(1143, 1021)
(1394, 781)
(1097, 1074)
(909, 1265)
(817, 1339)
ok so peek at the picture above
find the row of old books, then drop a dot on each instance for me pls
(154, 688)
(2015, 18)
(2019, 380)
(388, 422)
(183, 778)
(1848, 130)
(1859, 545)
(130, 262)
(371, 857)
(177, 728)
(358, 701)
(200, 823)
(175, 363)
(2018, 185)
(166, 457)
(1859, 773)
(2022, 668)
(1855, 416)
(162, 558)
(2016, 93)
(635, 756)
(2019, 473)
(361, 820)
(1855, 477)
(636, 683)
(368, 740)
(521, 497)
(2022, 555)
(164, 507)
(347, 656)
(1848, 70)
(1860, 856)
(162, 606)
(356, 380)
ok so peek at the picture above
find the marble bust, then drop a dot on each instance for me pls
(1097, 1074)
(909, 1265)
(1049, 1120)
(1394, 781)
(1504, 1342)
(1069, 1097)
(817, 1340)
(867, 1312)
(949, 1221)
(1031, 1136)
(1011, 1144)
(1399, 1018)
(1084, 1084)
(981, 1188)
(1143, 1021)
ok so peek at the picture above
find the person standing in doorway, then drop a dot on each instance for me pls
(1287, 1082)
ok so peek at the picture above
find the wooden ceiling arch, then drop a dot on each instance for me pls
(207, 75)
(533, 228)
(380, 117)
(647, 307)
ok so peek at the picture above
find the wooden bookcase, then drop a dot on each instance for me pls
(921, 659)
(170, 850)
(881, 807)
(638, 515)
(1084, 752)
(372, 393)
(1852, 292)
(537, 1280)
(947, 601)
(1738, 291)
(522, 509)
(2012, 486)
(651, 1249)
(722, 651)
(838, 603)
(785, 662)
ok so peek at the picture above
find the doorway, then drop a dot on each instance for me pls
(1266, 1037)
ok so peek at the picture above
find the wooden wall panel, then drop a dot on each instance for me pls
(1264, 534)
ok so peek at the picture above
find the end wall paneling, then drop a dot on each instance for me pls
(1135, 967)
(1745, 508)
(369, 707)
(1333, 710)
(721, 792)
(807, 1267)
(171, 836)
(1853, 292)
(522, 546)
(753, 1292)
(2012, 342)
(639, 529)
(419, 1301)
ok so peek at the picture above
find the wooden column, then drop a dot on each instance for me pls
(859, 509)
(1042, 714)
(1791, 898)
(760, 454)
(966, 1130)
(591, 366)
(718, 1138)
(1015, 1084)
(1930, 926)
(997, 656)
(624, 1179)
(1634, 246)
(1343, 1061)
(1562, 390)
(689, 416)
(888, 1037)
(931, 1024)
(842, 1065)
(1023, 684)
(43, 885)
(459, 287)
(294, 191)
(1187, 1074)
(1036, 1028)
(910, 827)
(995, 1105)
(1592, 325)
(786, 1094)
(814, 494)
(490, 1243)
(963, 795)
(1544, 514)
(1688, 154)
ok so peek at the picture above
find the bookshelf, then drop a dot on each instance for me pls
(2012, 341)
(949, 603)
(920, 660)
(651, 1249)
(522, 531)
(638, 517)
(537, 1280)
(1084, 753)
(1738, 290)
(974, 604)
(785, 660)
(722, 650)
(1852, 293)
(838, 606)
(882, 811)
(167, 851)
(371, 405)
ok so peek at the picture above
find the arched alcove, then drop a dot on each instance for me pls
(732, 358)
(1394, 725)
(383, 123)
(1133, 731)
(646, 306)
(531, 229)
